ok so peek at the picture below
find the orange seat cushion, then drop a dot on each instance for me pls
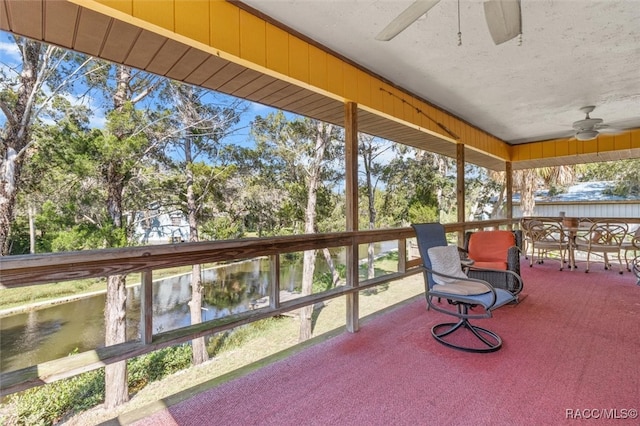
(490, 247)
(491, 265)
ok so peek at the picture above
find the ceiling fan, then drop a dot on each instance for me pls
(503, 19)
(589, 128)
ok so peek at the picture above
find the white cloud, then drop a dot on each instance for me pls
(9, 53)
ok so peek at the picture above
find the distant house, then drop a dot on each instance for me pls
(584, 199)
(156, 227)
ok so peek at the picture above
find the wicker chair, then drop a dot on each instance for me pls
(496, 257)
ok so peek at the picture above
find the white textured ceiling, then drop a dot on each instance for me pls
(573, 53)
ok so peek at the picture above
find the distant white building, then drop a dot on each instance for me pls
(156, 227)
(584, 199)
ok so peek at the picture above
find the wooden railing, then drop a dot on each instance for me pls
(27, 270)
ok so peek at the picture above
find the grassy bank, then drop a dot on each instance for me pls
(233, 352)
(265, 344)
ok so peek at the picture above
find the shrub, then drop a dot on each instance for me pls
(48, 404)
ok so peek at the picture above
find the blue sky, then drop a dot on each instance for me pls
(10, 60)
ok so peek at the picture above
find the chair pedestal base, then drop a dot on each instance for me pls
(490, 341)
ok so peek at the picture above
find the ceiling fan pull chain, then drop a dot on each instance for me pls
(459, 31)
(520, 35)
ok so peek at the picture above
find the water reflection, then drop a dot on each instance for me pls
(54, 332)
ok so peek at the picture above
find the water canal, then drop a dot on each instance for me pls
(40, 335)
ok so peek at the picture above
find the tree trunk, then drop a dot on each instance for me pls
(307, 288)
(309, 262)
(10, 169)
(529, 180)
(367, 150)
(335, 276)
(18, 131)
(323, 138)
(116, 385)
(198, 345)
(116, 388)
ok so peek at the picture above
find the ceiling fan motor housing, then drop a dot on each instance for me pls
(586, 135)
(587, 123)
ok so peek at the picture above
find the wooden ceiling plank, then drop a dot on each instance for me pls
(226, 73)
(119, 41)
(249, 89)
(269, 90)
(60, 19)
(169, 54)
(191, 60)
(301, 103)
(297, 101)
(281, 94)
(322, 105)
(208, 68)
(144, 49)
(239, 81)
(26, 18)
(329, 109)
(92, 31)
(5, 25)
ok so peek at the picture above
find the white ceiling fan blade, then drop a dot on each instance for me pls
(406, 18)
(606, 129)
(503, 19)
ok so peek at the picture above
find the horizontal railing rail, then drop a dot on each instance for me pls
(28, 270)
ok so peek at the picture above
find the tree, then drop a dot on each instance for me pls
(371, 149)
(44, 73)
(625, 174)
(194, 152)
(529, 180)
(299, 153)
(118, 149)
(416, 189)
(59, 179)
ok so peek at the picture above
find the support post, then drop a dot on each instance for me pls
(351, 194)
(509, 191)
(274, 279)
(460, 191)
(146, 307)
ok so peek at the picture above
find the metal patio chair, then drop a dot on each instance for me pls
(604, 238)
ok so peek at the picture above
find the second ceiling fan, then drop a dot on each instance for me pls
(503, 19)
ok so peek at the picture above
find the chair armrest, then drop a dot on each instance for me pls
(513, 259)
(513, 274)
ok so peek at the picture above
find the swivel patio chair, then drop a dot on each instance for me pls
(496, 258)
(444, 279)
